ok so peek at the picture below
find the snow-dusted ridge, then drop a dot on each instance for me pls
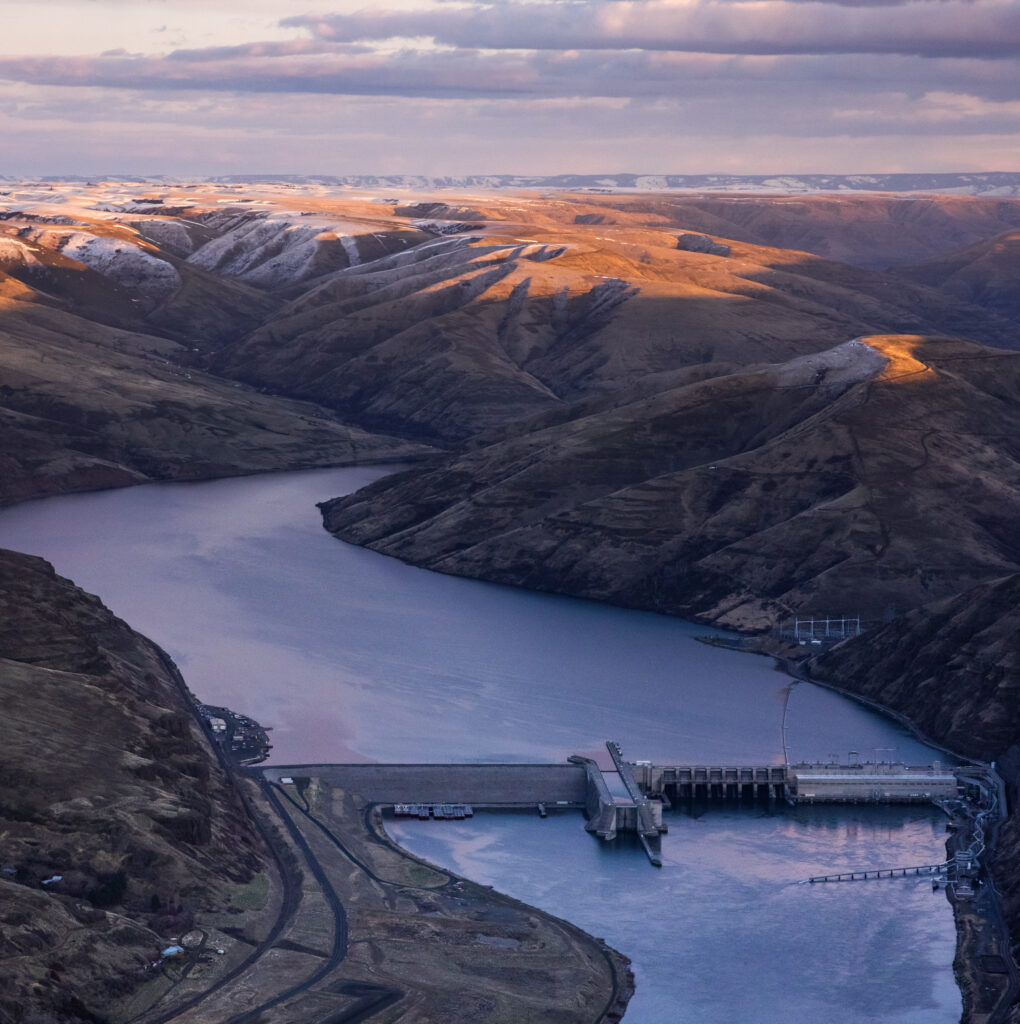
(998, 183)
(850, 362)
(991, 183)
(276, 249)
(129, 265)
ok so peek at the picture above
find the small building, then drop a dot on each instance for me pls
(870, 784)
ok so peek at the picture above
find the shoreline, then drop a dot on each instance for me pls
(222, 473)
(267, 812)
(619, 963)
(982, 934)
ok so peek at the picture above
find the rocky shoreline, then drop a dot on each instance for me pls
(986, 942)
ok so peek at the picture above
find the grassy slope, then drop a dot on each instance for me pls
(108, 782)
(84, 406)
(867, 476)
(468, 333)
(985, 274)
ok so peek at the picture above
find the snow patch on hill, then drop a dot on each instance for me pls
(351, 248)
(124, 263)
(167, 234)
(15, 253)
(48, 198)
(1003, 183)
(276, 250)
(445, 227)
(848, 363)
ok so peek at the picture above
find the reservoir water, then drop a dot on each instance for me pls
(351, 656)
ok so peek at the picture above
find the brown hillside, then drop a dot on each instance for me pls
(434, 317)
(108, 783)
(871, 230)
(986, 274)
(882, 472)
(953, 668)
(466, 333)
(85, 406)
(139, 286)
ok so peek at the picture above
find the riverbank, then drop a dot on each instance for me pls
(377, 926)
(354, 923)
(984, 966)
(117, 826)
(172, 909)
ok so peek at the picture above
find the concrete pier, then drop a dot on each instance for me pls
(599, 807)
(713, 782)
(639, 813)
(867, 783)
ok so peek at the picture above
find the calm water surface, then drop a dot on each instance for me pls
(351, 656)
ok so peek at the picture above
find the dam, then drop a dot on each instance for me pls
(580, 784)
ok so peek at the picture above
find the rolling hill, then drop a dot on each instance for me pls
(471, 331)
(712, 405)
(986, 274)
(882, 472)
(114, 834)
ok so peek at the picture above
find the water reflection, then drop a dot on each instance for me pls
(722, 932)
(351, 656)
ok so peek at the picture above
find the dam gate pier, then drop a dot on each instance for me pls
(690, 783)
(804, 783)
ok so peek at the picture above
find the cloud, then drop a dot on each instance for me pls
(464, 73)
(945, 28)
(580, 85)
(103, 131)
(950, 111)
(729, 106)
(289, 48)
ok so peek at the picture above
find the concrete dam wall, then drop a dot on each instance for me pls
(482, 785)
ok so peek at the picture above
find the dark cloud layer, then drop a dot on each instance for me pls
(471, 73)
(950, 28)
(631, 48)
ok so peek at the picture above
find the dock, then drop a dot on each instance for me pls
(861, 875)
(440, 812)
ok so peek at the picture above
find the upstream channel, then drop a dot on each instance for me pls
(351, 657)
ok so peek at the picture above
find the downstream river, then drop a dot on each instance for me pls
(351, 656)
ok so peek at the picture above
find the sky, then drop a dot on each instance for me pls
(436, 87)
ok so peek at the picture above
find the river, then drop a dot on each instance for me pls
(351, 656)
